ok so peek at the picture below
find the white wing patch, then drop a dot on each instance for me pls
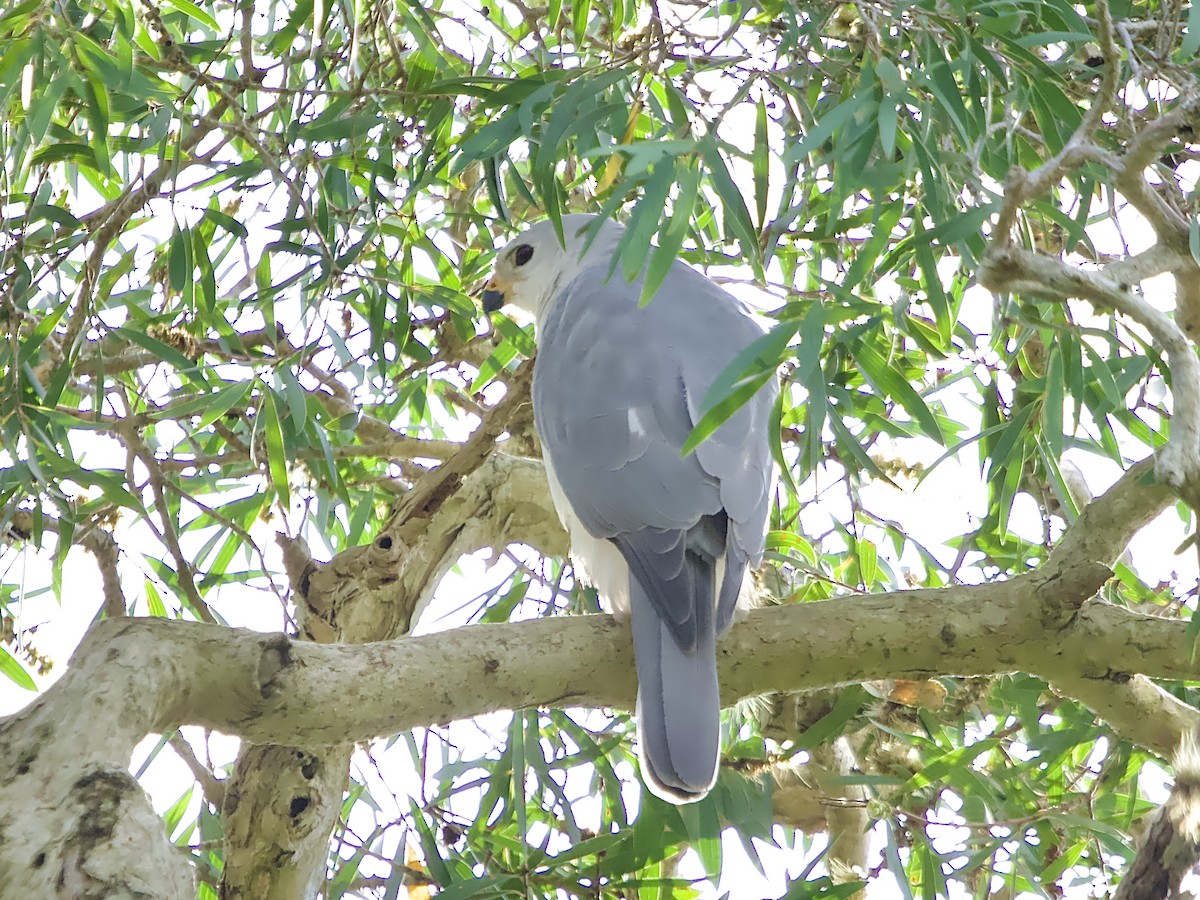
(637, 428)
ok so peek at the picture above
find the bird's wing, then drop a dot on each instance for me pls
(617, 390)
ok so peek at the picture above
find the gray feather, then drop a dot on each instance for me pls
(617, 390)
(679, 704)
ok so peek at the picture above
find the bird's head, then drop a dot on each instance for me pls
(534, 266)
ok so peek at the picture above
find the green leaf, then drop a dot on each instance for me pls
(1012, 438)
(15, 671)
(272, 429)
(890, 383)
(760, 162)
(674, 230)
(849, 702)
(889, 121)
(154, 600)
(195, 12)
(1186, 53)
(580, 11)
(209, 407)
(867, 557)
(635, 244)
(824, 128)
(228, 222)
(164, 352)
(1052, 403)
(179, 259)
(736, 215)
(740, 380)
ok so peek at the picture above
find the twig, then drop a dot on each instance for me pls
(213, 788)
(132, 439)
(1145, 148)
(104, 549)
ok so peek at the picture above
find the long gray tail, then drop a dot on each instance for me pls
(679, 702)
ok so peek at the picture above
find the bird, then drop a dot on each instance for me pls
(666, 538)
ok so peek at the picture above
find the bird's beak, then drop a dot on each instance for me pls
(492, 300)
(495, 295)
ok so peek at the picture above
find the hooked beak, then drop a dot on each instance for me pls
(492, 300)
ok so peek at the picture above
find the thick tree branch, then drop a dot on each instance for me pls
(1107, 524)
(1143, 151)
(273, 688)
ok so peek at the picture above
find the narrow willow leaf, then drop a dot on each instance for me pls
(209, 407)
(889, 121)
(272, 430)
(740, 380)
(206, 287)
(193, 11)
(15, 672)
(674, 230)
(823, 128)
(867, 557)
(890, 383)
(761, 162)
(1052, 404)
(164, 352)
(495, 187)
(733, 206)
(1012, 437)
(179, 258)
(434, 863)
(580, 12)
(647, 215)
(848, 704)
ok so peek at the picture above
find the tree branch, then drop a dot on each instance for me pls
(1170, 845)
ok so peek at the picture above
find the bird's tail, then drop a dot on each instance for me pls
(679, 702)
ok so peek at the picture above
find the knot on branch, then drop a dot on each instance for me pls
(1000, 264)
(275, 657)
(323, 589)
(1177, 465)
(1189, 118)
(1062, 589)
(1015, 181)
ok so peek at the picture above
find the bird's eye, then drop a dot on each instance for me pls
(523, 255)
